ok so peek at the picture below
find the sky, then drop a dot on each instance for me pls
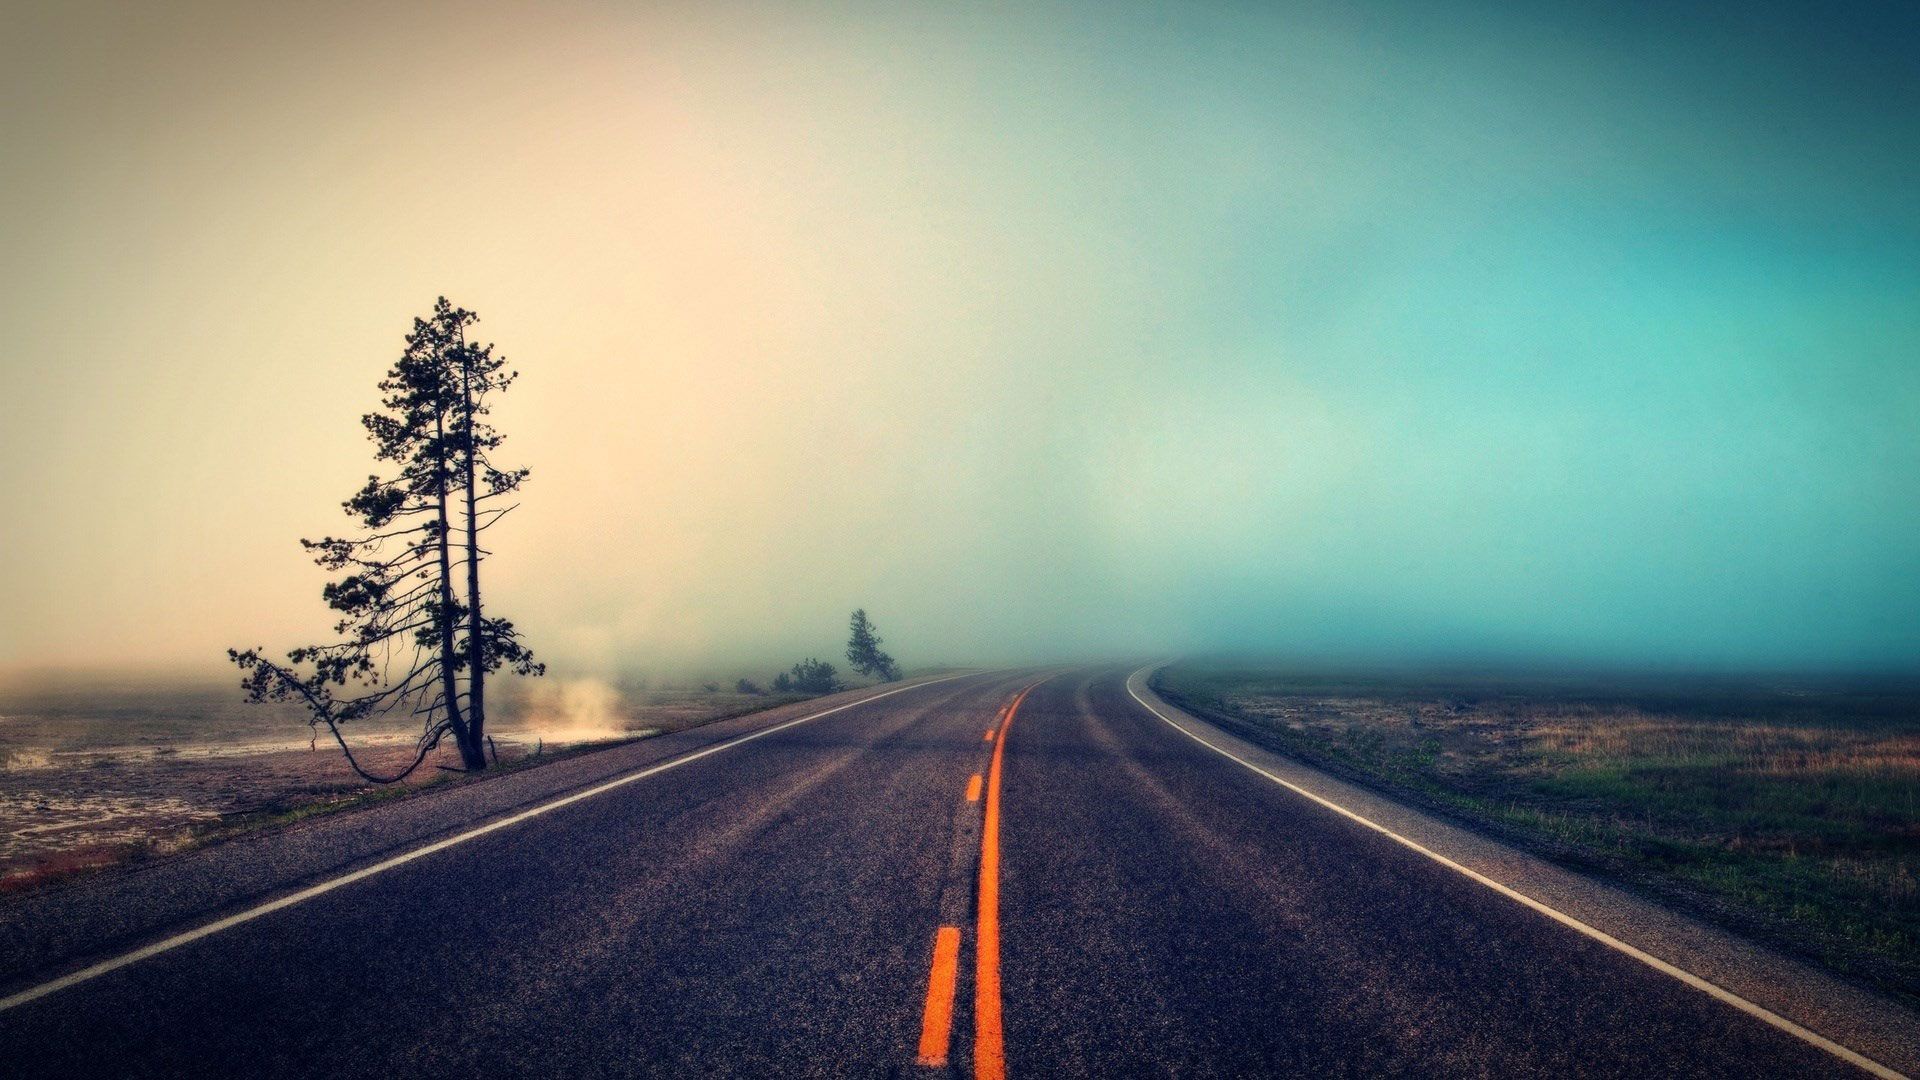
(1556, 333)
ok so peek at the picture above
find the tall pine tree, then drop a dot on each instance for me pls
(414, 640)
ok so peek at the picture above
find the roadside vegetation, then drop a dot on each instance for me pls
(809, 676)
(1785, 810)
(814, 676)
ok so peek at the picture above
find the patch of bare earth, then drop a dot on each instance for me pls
(77, 792)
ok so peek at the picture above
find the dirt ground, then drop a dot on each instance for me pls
(93, 773)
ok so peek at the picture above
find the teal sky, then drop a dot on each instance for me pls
(1574, 333)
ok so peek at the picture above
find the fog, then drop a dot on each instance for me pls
(1040, 331)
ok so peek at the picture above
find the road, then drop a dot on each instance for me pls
(911, 886)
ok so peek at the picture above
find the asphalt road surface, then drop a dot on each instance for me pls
(913, 886)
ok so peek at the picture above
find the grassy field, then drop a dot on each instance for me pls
(1788, 810)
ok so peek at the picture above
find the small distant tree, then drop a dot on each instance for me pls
(783, 683)
(812, 676)
(414, 641)
(863, 649)
(747, 686)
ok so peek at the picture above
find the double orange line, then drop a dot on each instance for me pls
(989, 1040)
(989, 1036)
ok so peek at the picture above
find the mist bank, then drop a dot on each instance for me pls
(1042, 332)
(588, 691)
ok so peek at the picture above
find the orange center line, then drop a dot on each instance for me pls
(973, 788)
(936, 1024)
(989, 1037)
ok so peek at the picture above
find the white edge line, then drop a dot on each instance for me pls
(1759, 1012)
(94, 971)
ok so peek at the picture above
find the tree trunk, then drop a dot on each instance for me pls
(470, 748)
(476, 641)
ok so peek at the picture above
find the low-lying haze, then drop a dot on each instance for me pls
(1037, 330)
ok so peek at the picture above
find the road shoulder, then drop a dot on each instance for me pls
(1850, 1015)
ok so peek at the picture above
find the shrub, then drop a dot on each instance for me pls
(815, 677)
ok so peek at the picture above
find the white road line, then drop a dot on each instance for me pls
(1757, 1011)
(34, 993)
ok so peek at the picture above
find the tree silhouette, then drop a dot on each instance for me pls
(412, 645)
(863, 649)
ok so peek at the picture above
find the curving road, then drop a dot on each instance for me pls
(907, 886)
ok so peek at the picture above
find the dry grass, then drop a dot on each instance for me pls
(1756, 748)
